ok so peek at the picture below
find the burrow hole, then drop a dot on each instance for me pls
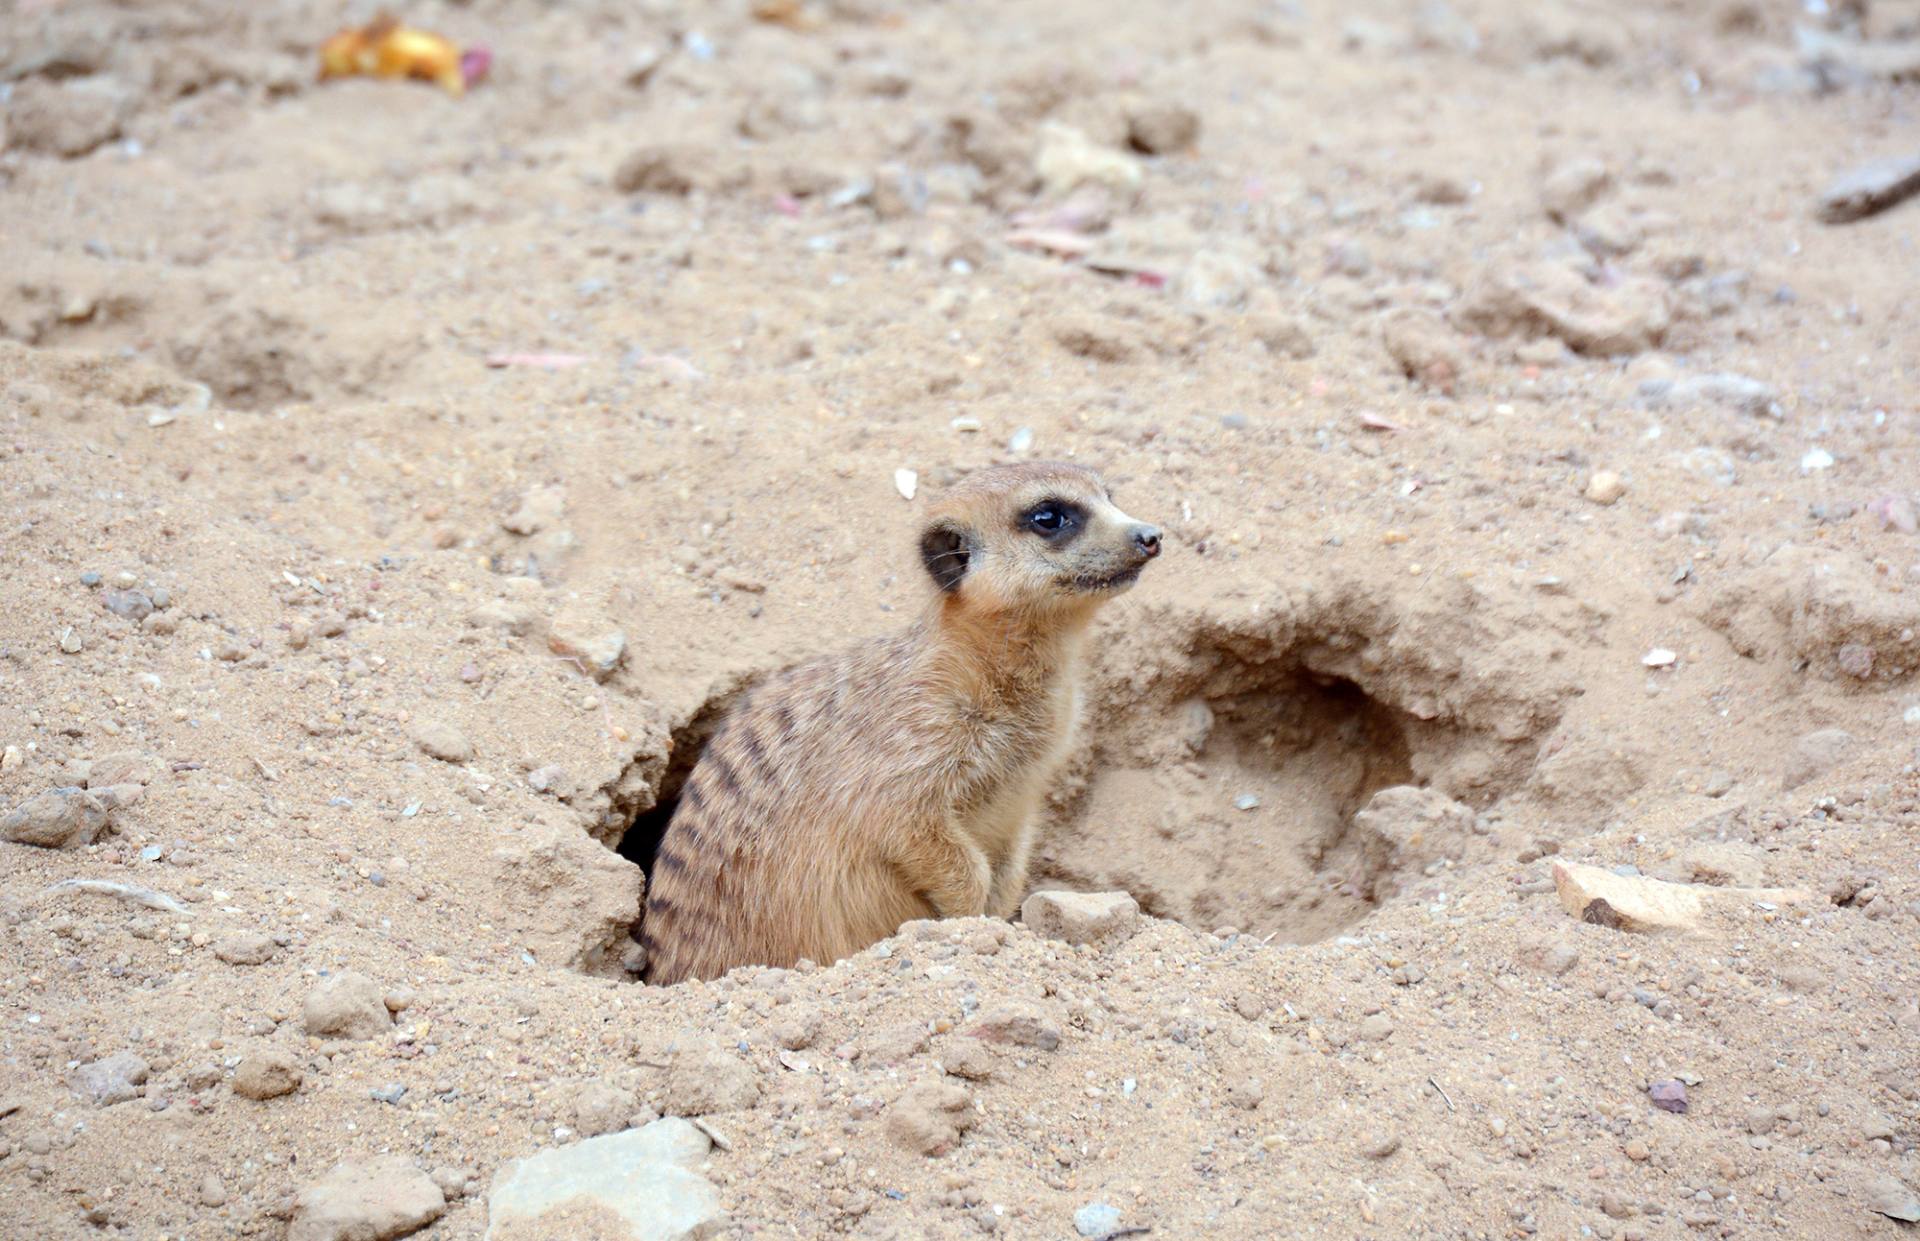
(1229, 800)
(1226, 801)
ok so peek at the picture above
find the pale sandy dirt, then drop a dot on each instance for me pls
(1325, 344)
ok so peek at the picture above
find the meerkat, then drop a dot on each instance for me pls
(900, 779)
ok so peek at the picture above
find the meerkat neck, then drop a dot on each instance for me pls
(1003, 657)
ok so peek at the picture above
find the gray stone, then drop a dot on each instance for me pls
(1097, 1220)
(135, 605)
(1081, 917)
(639, 1185)
(1891, 1198)
(111, 1079)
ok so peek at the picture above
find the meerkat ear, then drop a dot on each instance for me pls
(947, 551)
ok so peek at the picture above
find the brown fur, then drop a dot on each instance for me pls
(899, 779)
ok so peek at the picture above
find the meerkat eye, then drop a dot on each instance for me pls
(1049, 517)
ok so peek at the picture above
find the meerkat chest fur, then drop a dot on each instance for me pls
(1013, 730)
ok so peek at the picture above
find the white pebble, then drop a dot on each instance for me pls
(1659, 657)
(906, 482)
(1817, 459)
(1021, 440)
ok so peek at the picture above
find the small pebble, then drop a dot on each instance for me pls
(1096, 1220)
(1605, 487)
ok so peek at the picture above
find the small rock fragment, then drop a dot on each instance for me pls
(1896, 513)
(1426, 350)
(594, 646)
(246, 948)
(671, 168)
(1380, 1145)
(1097, 1221)
(708, 1078)
(967, 1058)
(1669, 1096)
(111, 1079)
(540, 508)
(1162, 128)
(1737, 392)
(122, 767)
(1081, 917)
(1572, 186)
(1017, 1025)
(367, 1200)
(1870, 189)
(267, 1074)
(135, 605)
(601, 1107)
(1637, 903)
(1067, 158)
(1549, 956)
(63, 818)
(929, 1117)
(1605, 487)
(348, 1006)
(1890, 1197)
(441, 740)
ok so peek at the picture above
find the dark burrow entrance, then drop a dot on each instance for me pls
(1229, 801)
(640, 843)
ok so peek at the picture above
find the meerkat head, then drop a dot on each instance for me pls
(1034, 536)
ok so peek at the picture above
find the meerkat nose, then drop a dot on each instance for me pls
(1146, 540)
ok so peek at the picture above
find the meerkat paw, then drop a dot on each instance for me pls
(965, 895)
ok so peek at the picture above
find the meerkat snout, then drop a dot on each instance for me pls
(1146, 541)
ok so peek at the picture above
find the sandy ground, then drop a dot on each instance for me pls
(1522, 436)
